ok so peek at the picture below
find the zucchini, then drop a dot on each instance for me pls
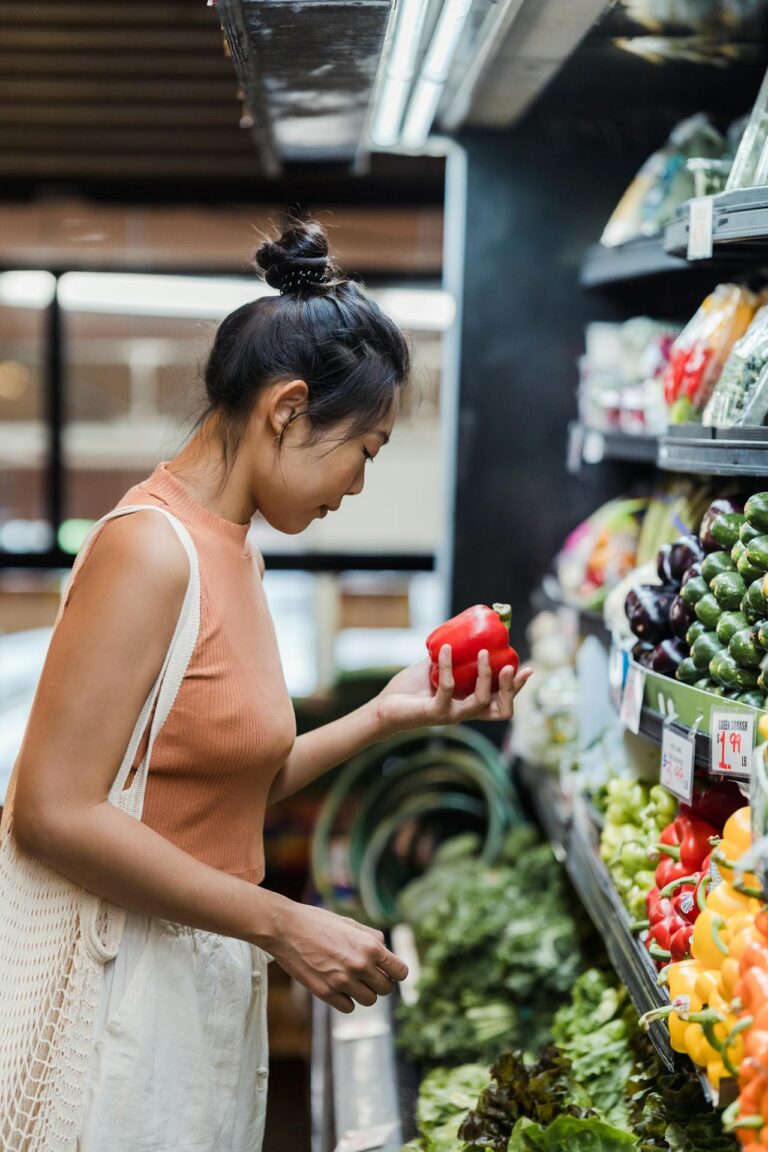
(718, 690)
(757, 551)
(706, 684)
(725, 528)
(744, 650)
(762, 680)
(732, 675)
(747, 532)
(695, 630)
(705, 648)
(728, 589)
(727, 626)
(715, 563)
(762, 633)
(709, 611)
(747, 569)
(755, 698)
(693, 591)
(687, 671)
(738, 550)
(756, 511)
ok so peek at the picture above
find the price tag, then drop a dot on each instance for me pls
(575, 445)
(732, 738)
(618, 663)
(677, 754)
(700, 217)
(632, 699)
(593, 449)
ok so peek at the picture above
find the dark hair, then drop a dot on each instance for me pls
(322, 329)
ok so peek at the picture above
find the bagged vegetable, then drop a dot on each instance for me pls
(702, 348)
(663, 183)
(741, 393)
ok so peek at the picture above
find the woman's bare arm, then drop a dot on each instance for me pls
(103, 659)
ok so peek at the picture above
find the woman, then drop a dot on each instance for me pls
(303, 391)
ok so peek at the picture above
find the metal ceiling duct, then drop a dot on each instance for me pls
(307, 69)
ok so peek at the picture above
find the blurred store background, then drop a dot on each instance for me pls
(463, 155)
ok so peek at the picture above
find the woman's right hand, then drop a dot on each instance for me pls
(337, 959)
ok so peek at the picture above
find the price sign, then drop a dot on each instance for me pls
(677, 753)
(732, 738)
(632, 699)
(700, 228)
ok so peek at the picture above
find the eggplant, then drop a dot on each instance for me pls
(716, 508)
(662, 565)
(680, 617)
(683, 553)
(691, 573)
(667, 656)
(647, 608)
(641, 653)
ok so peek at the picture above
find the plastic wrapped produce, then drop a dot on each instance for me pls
(663, 183)
(741, 393)
(701, 349)
(750, 166)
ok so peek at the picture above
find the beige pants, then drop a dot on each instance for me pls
(181, 1057)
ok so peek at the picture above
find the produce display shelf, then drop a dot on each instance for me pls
(714, 451)
(739, 226)
(592, 446)
(638, 258)
(355, 1090)
(690, 708)
(549, 596)
(571, 828)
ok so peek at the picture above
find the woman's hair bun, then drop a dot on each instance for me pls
(298, 259)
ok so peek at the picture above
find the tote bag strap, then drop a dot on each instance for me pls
(168, 681)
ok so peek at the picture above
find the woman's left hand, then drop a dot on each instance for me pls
(410, 701)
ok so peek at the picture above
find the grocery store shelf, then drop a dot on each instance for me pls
(592, 446)
(573, 833)
(652, 727)
(739, 227)
(354, 1086)
(638, 258)
(714, 451)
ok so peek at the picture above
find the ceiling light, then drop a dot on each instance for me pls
(197, 297)
(400, 69)
(434, 72)
(27, 289)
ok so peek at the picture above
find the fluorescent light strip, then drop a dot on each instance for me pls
(27, 289)
(204, 298)
(400, 69)
(434, 72)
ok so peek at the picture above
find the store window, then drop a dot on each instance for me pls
(24, 443)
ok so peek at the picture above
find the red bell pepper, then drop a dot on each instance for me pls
(694, 835)
(669, 870)
(714, 803)
(685, 904)
(468, 634)
(680, 943)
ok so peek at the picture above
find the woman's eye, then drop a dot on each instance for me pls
(368, 458)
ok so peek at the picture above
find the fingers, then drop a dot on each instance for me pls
(340, 1002)
(444, 691)
(391, 965)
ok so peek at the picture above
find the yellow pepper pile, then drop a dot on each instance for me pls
(703, 1020)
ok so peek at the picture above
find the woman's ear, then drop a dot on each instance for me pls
(286, 400)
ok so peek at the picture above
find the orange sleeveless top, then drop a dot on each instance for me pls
(232, 725)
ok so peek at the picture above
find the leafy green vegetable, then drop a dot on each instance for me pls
(499, 949)
(569, 1134)
(445, 1097)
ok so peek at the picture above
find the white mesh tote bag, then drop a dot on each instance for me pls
(55, 937)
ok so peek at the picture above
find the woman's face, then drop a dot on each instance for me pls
(307, 481)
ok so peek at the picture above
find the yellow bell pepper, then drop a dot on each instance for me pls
(729, 974)
(708, 944)
(726, 900)
(737, 838)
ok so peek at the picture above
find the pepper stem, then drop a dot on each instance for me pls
(658, 953)
(743, 1024)
(504, 612)
(671, 850)
(673, 885)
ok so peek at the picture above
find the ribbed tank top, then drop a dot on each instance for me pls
(232, 725)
